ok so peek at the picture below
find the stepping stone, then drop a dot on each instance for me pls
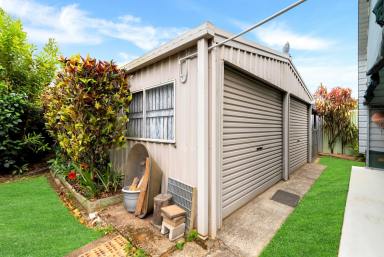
(108, 246)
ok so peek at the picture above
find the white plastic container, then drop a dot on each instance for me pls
(130, 199)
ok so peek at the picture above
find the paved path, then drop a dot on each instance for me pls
(363, 226)
(112, 245)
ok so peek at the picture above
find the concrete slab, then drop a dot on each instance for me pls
(190, 250)
(363, 227)
(248, 230)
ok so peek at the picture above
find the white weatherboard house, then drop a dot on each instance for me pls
(363, 225)
(230, 121)
(371, 84)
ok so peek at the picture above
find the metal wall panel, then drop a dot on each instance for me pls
(252, 140)
(298, 134)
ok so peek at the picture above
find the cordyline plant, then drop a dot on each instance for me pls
(86, 110)
(335, 108)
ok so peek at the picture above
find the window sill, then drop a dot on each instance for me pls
(159, 141)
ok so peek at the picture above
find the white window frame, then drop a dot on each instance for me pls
(144, 126)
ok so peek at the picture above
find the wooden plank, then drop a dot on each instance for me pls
(133, 186)
(143, 189)
(192, 218)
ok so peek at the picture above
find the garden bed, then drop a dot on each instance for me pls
(90, 205)
(344, 156)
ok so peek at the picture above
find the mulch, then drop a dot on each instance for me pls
(342, 156)
(35, 170)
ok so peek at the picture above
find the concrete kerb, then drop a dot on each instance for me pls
(89, 205)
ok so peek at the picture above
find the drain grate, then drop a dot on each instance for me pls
(286, 198)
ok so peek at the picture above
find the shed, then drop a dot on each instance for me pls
(231, 121)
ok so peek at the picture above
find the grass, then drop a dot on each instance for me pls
(314, 227)
(34, 221)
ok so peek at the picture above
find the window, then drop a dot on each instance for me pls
(135, 124)
(152, 114)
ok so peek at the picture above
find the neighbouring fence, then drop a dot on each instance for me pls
(317, 134)
(348, 150)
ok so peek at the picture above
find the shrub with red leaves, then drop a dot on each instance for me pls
(335, 108)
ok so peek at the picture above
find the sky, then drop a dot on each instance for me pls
(322, 33)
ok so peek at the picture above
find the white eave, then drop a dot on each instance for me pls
(184, 41)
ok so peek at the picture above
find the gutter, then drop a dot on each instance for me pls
(182, 42)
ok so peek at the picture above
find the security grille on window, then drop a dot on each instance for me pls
(154, 106)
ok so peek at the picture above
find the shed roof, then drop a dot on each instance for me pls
(206, 30)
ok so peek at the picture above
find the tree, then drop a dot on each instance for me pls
(335, 109)
(350, 136)
(24, 73)
(21, 68)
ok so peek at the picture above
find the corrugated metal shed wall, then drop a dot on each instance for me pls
(252, 140)
(298, 134)
(176, 160)
(267, 66)
(179, 160)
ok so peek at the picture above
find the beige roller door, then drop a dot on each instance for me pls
(252, 140)
(298, 134)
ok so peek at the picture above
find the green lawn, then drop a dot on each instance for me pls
(34, 222)
(314, 227)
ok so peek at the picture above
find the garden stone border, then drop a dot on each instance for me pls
(88, 205)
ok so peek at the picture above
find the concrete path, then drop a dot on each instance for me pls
(248, 230)
(363, 227)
